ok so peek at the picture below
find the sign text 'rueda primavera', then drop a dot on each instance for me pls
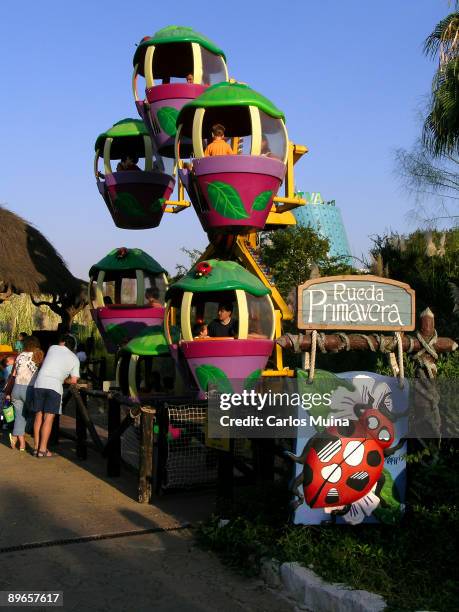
(356, 302)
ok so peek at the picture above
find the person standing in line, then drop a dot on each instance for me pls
(25, 371)
(60, 365)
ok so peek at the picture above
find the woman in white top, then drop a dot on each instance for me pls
(25, 370)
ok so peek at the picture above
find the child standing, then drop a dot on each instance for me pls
(218, 146)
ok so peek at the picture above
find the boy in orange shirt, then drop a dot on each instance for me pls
(218, 146)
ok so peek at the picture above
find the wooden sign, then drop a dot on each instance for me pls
(356, 302)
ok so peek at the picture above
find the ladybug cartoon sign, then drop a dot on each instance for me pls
(356, 472)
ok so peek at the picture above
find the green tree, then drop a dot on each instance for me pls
(180, 269)
(293, 253)
(431, 167)
(428, 262)
(441, 127)
(424, 176)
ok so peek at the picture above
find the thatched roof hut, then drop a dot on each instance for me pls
(29, 263)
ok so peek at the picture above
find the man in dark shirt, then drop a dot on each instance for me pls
(224, 325)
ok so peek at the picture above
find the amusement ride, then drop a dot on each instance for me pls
(235, 196)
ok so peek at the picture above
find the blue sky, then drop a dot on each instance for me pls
(350, 77)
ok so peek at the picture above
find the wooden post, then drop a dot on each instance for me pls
(81, 435)
(114, 450)
(427, 418)
(427, 331)
(82, 408)
(147, 417)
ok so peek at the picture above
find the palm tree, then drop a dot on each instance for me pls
(441, 127)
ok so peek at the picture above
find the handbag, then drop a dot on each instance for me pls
(8, 412)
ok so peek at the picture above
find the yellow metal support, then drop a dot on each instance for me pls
(298, 151)
(235, 144)
(250, 264)
(276, 220)
(176, 206)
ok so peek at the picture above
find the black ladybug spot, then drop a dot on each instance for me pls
(374, 458)
(332, 497)
(346, 430)
(307, 475)
(358, 481)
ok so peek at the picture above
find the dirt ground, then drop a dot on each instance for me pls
(47, 500)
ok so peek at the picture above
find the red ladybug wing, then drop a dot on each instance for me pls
(339, 471)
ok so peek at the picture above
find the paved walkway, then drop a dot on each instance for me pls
(61, 498)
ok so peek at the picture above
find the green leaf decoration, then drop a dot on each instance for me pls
(209, 374)
(157, 205)
(116, 333)
(251, 380)
(150, 341)
(167, 117)
(262, 200)
(324, 382)
(390, 511)
(128, 205)
(226, 200)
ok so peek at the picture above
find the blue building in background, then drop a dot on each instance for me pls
(325, 219)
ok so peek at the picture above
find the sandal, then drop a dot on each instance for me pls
(35, 452)
(45, 453)
(13, 441)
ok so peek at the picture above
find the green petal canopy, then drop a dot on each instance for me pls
(116, 262)
(224, 276)
(229, 94)
(131, 131)
(227, 103)
(175, 34)
(151, 341)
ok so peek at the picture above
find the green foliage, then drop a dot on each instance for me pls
(291, 253)
(413, 566)
(421, 261)
(431, 167)
(226, 200)
(422, 174)
(180, 270)
(441, 127)
(167, 117)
